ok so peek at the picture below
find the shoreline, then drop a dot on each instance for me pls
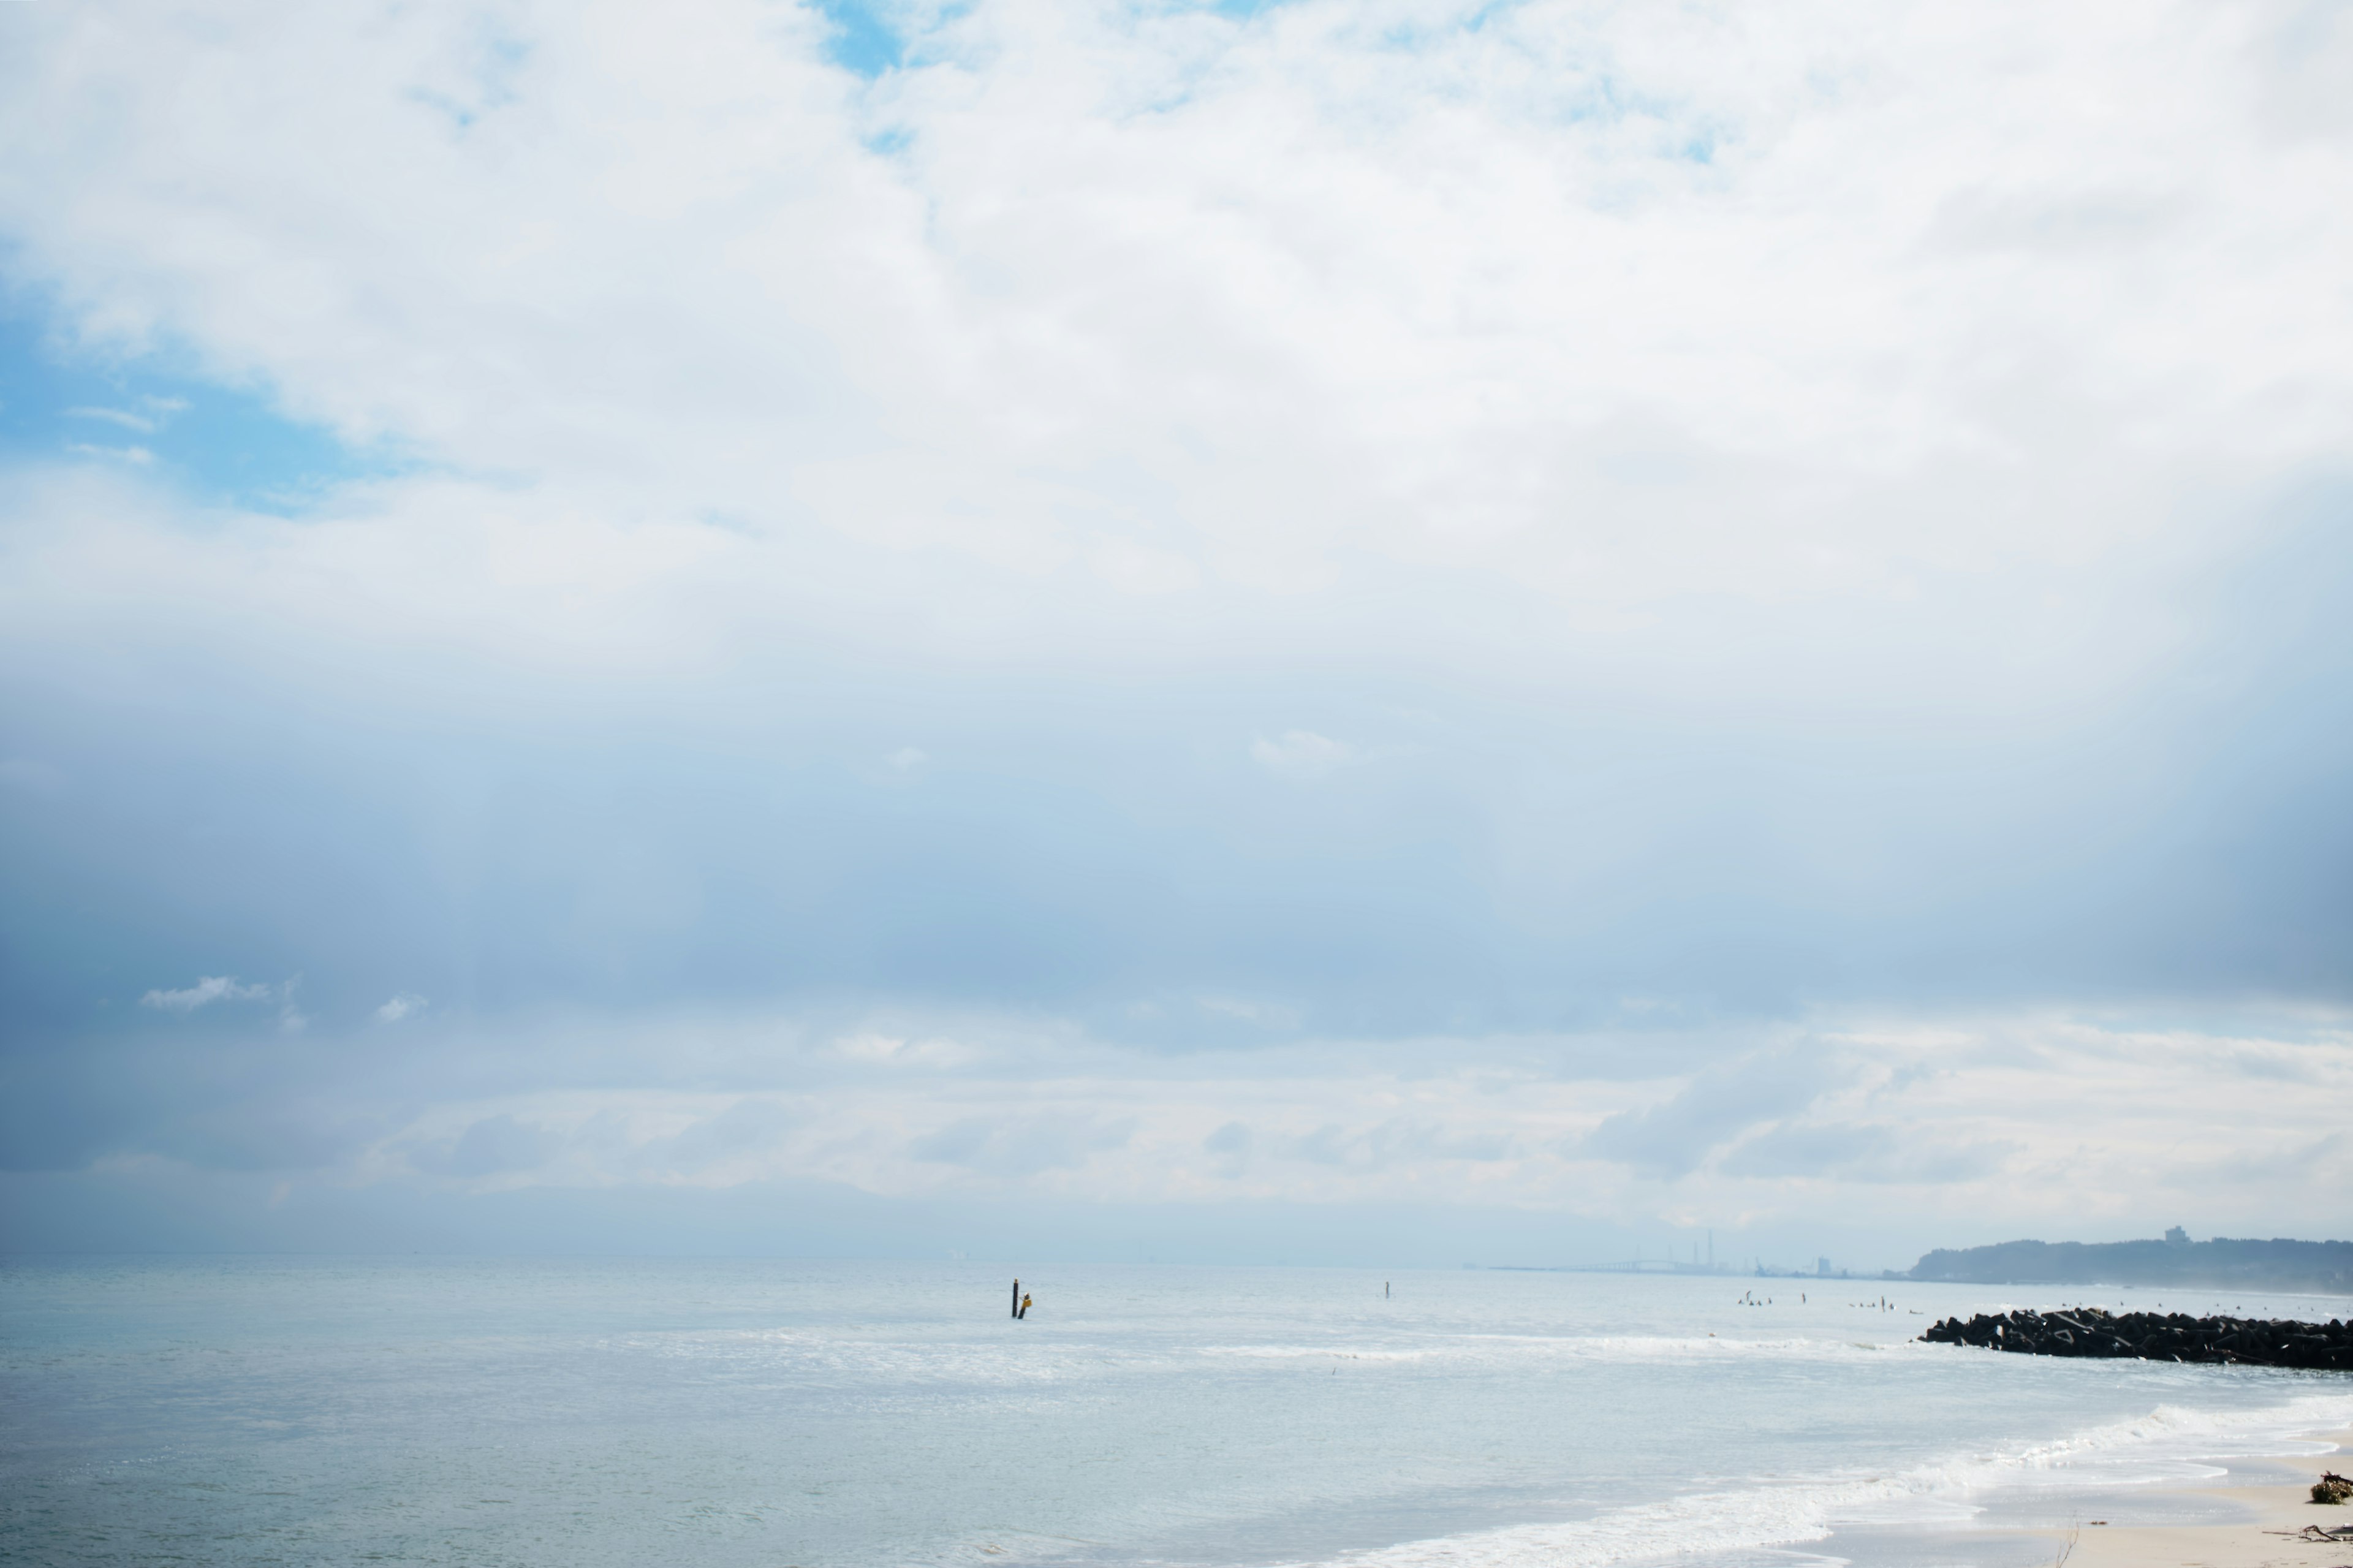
(2266, 1538)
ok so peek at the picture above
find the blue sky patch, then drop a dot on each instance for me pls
(226, 444)
(861, 41)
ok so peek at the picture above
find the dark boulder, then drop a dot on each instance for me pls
(2148, 1336)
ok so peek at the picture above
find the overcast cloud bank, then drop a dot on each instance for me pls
(1637, 621)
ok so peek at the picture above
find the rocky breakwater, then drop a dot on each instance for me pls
(2157, 1336)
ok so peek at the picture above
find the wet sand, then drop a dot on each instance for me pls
(2266, 1537)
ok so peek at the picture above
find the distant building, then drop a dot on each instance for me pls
(1821, 1268)
(2178, 1236)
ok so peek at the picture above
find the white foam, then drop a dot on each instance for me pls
(2165, 1441)
(1333, 1352)
(1519, 1348)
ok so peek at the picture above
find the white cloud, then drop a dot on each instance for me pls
(1021, 1146)
(136, 456)
(1517, 342)
(1778, 361)
(898, 1050)
(215, 988)
(205, 992)
(1249, 1010)
(1675, 1138)
(1969, 1128)
(401, 1006)
(494, 1146)
(1135, 568)
(115, 417)
(1618, 303)
(1302, 754)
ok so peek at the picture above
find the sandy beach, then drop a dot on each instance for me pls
(2265, 1539)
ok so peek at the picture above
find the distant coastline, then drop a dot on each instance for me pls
(2278, 1264)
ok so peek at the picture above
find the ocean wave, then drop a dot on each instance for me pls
(2163, 1442)
(1579, 1347)
(1335, 1353)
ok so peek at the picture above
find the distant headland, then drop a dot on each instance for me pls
(2274, 1264)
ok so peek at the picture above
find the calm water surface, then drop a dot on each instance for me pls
(860, 1416)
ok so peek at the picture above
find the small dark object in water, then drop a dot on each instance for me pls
(2332, 1488)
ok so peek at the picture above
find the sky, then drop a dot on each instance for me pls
(1400, 632)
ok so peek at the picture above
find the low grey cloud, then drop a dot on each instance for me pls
(2051, 223)
(263, 1137)
(1230, 1147)
(1863, 1151)
(2274, 1065)
(1302, 754)
(2305, 1162)
(1700, 683)
(491, 1146)
(1021, 1146)
(1396, 1142)
(746, 1128)
(1673, 1139)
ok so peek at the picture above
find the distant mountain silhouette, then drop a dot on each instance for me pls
(2275, 1265)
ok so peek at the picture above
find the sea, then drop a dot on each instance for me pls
(785, 1413)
